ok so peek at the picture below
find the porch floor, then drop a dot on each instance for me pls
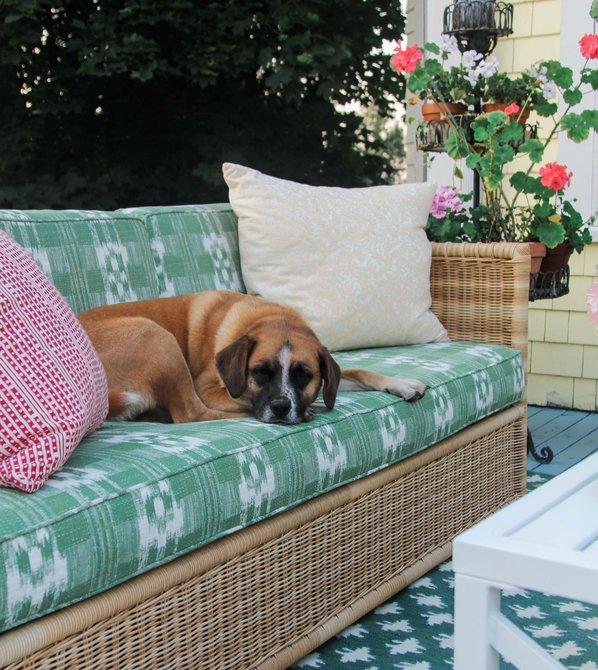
(572, 435)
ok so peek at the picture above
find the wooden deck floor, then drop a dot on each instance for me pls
(572, 435)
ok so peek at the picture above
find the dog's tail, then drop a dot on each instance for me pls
(126, 405)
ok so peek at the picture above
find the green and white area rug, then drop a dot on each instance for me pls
(414, 630)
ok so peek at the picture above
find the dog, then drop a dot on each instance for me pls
(220, 355)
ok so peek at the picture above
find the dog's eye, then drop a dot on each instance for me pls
(263, 373)
(301, 375)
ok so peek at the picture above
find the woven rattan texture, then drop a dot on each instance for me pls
(246, 611)
(480, 292)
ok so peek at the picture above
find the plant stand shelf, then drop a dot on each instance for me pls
(431, 136)
(548, 285)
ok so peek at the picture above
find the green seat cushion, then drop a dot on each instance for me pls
(93, 258)
(195, 247)
(136, 495)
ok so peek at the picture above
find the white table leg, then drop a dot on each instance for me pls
(476, 601)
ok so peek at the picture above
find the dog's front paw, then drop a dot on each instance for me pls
(308, 415)
(409, 389)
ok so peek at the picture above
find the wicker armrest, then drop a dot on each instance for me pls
(480, 291)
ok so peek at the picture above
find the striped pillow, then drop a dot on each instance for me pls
(53, 388)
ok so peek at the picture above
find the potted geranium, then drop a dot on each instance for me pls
(445, 90)
(531, 204)
(502, 90)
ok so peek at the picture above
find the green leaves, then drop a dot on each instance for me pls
(550, 233)
(562, 76)
(591, 78)
(576, 126)
(547, 109)
(590, 116)
(419, 80)
(573, 96)
(432, 48)
(535, 149)
(513, 132)
(525, 183)
(456, 146)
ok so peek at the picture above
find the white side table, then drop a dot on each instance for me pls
(546, 541)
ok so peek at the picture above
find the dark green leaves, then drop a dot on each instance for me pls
(456, 146)
(573, 96)
(576, 126)
(523, 182)
(550, 233)
(535, 149)
(141, 102)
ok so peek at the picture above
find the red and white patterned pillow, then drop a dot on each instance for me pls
(53, 387)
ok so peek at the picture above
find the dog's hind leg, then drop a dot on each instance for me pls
(364, 380)
(146, 370)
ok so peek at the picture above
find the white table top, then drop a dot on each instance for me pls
(546, 541)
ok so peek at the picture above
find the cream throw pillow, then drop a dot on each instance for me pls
(355, 262)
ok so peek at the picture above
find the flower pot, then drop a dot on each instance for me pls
(557, 259)
(537, 251)
(501, 106)
(432, 111)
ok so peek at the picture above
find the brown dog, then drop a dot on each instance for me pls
(220, 355)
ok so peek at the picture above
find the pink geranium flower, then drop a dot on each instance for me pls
(592, 297)
(589, 46)
(405, 60)
(512, 109)
(446, 200)
(555, 176)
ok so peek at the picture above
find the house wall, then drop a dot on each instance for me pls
(563, 343)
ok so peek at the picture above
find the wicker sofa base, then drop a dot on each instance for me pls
(267, 595)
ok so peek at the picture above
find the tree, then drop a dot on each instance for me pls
(106, 104)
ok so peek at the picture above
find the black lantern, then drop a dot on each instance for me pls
(477, 24)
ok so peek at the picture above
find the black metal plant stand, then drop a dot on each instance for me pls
(545, 286)
(546, 454)
(548, 285)
(431, 137)
(477, 24)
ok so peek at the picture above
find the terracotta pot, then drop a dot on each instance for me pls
(537, 251)
(432, 111)
(501, 106)
(557, 258)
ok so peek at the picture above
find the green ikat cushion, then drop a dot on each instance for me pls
(93, 258)
(136, 495)
(195, 247)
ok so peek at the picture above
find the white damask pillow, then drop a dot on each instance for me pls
(355, 262)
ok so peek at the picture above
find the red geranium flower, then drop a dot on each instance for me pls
(555, 176)
(405, 60)
(589, 46)
(512, 109)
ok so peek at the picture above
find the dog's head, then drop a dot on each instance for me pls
(279, 374)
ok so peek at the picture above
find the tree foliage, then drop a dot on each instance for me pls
(106, 103)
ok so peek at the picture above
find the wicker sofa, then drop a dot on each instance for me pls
(265, 594)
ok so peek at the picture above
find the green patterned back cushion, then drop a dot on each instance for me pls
(195, 247)
(93, 258)
(99, 258)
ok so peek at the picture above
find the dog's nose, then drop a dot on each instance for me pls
(280, 406)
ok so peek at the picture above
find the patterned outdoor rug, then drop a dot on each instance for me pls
(414, 630)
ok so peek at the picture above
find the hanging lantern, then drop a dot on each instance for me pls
(477, 24)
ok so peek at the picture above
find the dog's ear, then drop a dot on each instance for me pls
(331, 374)
(231, 363)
